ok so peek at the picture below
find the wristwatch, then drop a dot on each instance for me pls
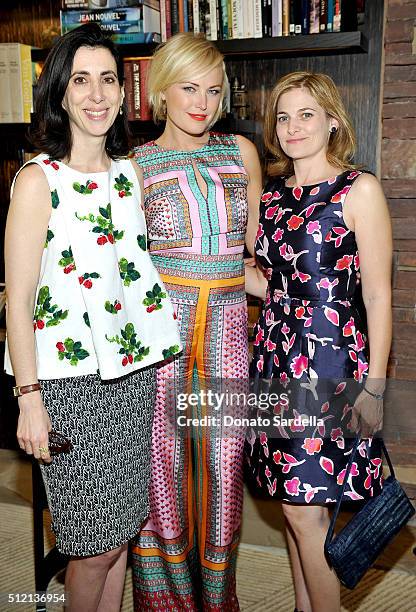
(18, 391)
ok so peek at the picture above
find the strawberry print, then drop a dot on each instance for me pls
(67, 261)
(123, 186)
(154, 298)
(310, 344)
(47, 314)
(128, 273)
(170, 352)
(72, 351)
(131, 349)
(113, 307)
(86, 279)
(52, 163)
(86, 189)
(142, 242)
(103, 226)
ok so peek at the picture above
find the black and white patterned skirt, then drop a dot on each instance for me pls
(98, 493)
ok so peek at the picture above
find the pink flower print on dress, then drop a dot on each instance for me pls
(297, 193)
(348, 328)
(298, 365)
(278, 235)
(277, 455)
(359, 373)
(292, 486)
(266, 197)
(313, 226)
(259, 337)
(312, 445)
(260, 231)
(340, 196)
(344, 263)
(269, 345)
(270, 212)
(327, 465)
(332, 315)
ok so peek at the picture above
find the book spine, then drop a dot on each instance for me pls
(238, 18)
(128, 89)
(163, 30)
(330, 18)
(305, 16)
(292, 18)
(230, 19)
(285, 18)
(264, 19)
(20, 81)
(185, 15)
(145, 110)
(224, 19)
(314, 17)
(257, 19)
(298, 16)
(323, 15)
(26, 77)
(337, 16)
(248, 19)
(269, 18)
(5, 98)
(174, 11)
(212, 21)
(181, 15)
(195, 10)
(168, 19)
(190, 16)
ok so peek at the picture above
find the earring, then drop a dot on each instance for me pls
(121, 110)
(333, 129)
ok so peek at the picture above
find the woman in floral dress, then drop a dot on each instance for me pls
(87, 316)
(323, 226)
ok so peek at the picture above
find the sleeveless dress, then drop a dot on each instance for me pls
(309, 350)
(184, 557)
(93, 344)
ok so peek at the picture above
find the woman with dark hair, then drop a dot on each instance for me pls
(324, 227)
(87, 315)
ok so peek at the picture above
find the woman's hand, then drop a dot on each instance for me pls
(367, 415)
(33, 426)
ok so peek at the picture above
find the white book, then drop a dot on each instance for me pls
(20, 81)
(5, 99)
(248, 19)
(277, 18)
(195, 11)
(258, 33)
(163, 31)
(239, 18)
(212, 34)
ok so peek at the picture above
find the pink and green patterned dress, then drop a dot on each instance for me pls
(184, 558)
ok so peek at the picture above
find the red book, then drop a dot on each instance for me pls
(145, 110)
(132, 89)
(181, 13)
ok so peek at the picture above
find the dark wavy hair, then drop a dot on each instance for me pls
(50, 131)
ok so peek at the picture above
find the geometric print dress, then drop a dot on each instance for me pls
(184, 557)
(310, 350)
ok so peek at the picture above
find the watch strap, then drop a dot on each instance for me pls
(22, 390)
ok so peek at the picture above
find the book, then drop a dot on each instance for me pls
(19, 68)
(174, 7)
(248, 20)
(285, 17)
(163, 20)
(5, 99)
(323, 15)
(276, 17)
(314, 12)
(330, 17)
(292, 17)
(195, 8)
(96, 4)
(136, 71)
(224, 19)
(211, 21)
(336, 23)
(122, 23)
(257, 19)
(305, 16)
(132, 88)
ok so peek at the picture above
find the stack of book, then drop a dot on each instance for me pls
(231, 19)
(129, 21)
(16, 97)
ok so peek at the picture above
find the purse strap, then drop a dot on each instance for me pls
(357, 440)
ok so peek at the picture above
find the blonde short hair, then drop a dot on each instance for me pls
(341, 144)
(184, 56)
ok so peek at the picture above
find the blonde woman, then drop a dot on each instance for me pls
(201, 200)
(321, 222)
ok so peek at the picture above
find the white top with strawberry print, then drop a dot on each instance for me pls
(100, 304)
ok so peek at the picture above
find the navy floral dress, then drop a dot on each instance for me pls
(309, 349)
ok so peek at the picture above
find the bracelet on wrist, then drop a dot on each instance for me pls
(377, 396)
(20, 390)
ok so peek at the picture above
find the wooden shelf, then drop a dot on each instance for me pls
(330, 43)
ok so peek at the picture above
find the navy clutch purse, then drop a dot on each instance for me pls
(356, 547)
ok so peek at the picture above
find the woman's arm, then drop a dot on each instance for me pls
(255, 281)
(366, 213)
(252, 166)
(26, 229)
(139, 174)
